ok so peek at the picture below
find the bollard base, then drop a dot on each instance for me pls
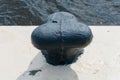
(62, 57)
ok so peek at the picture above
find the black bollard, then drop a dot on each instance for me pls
(61, 38)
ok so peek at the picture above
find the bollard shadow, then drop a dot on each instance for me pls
(39, 69)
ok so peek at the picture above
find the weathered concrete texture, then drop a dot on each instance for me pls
(101, 60)
(34, 12)
(16, 51)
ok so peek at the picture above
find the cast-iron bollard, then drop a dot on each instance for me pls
(61, 38)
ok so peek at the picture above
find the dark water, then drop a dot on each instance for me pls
(34, 12)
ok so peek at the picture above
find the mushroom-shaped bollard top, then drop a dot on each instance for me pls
(61, 36)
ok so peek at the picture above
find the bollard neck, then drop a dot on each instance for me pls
(62, 56)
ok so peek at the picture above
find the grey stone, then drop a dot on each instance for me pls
(35, 12)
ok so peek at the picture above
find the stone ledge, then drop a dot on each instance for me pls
(101, 60)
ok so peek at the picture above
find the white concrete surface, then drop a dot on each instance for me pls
(100, 61)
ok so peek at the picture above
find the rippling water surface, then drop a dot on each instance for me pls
(34, 12)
